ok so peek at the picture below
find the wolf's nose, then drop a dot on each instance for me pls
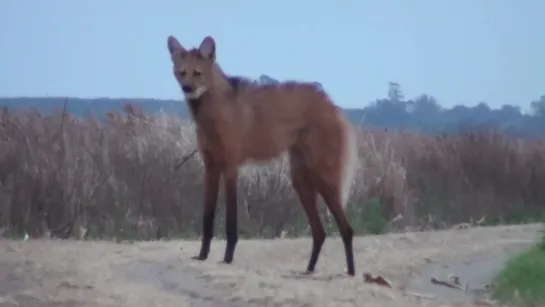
(187, 89)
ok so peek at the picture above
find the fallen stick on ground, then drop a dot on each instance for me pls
(452, 285)
(379, 280)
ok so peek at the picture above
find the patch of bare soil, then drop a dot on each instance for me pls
(102, 274)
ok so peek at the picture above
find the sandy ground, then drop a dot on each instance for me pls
(77, 273)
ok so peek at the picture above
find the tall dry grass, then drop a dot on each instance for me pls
(71, 177)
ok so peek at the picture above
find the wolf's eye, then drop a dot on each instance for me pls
(196, 73)
(182, 73)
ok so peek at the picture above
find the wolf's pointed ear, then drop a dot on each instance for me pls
(174, 45)
(208, 48)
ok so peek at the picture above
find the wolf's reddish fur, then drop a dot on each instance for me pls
(248, 122)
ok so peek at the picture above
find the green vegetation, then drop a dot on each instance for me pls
(522, 281)
(367, 219)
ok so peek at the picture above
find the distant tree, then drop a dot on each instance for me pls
(510, 110)
(538, 106)
(394, 92)
(424, 105)
(264, 79)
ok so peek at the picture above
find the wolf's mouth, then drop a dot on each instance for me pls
(194, 93)
(187, 89)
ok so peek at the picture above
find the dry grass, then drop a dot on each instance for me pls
(73, 177)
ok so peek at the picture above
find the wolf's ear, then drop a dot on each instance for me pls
(174, 45)
(208, 48)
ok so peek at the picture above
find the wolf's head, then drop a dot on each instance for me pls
(194, 69)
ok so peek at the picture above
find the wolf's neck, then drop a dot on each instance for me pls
(194, 105)
(222, 81)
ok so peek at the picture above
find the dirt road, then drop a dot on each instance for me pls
(100, 274)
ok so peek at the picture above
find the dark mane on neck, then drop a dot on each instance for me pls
(239, 83)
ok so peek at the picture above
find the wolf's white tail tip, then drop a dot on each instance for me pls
(350, 161)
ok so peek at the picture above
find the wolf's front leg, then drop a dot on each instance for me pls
(231, 230)
(211, 188)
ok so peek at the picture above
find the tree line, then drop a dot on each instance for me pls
(423, 113)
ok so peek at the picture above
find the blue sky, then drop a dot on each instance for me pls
(462, 51)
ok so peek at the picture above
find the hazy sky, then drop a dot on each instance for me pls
(462, 51)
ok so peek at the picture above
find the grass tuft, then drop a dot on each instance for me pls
(522, 281)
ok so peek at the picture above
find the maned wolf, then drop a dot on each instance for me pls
(238, 123)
